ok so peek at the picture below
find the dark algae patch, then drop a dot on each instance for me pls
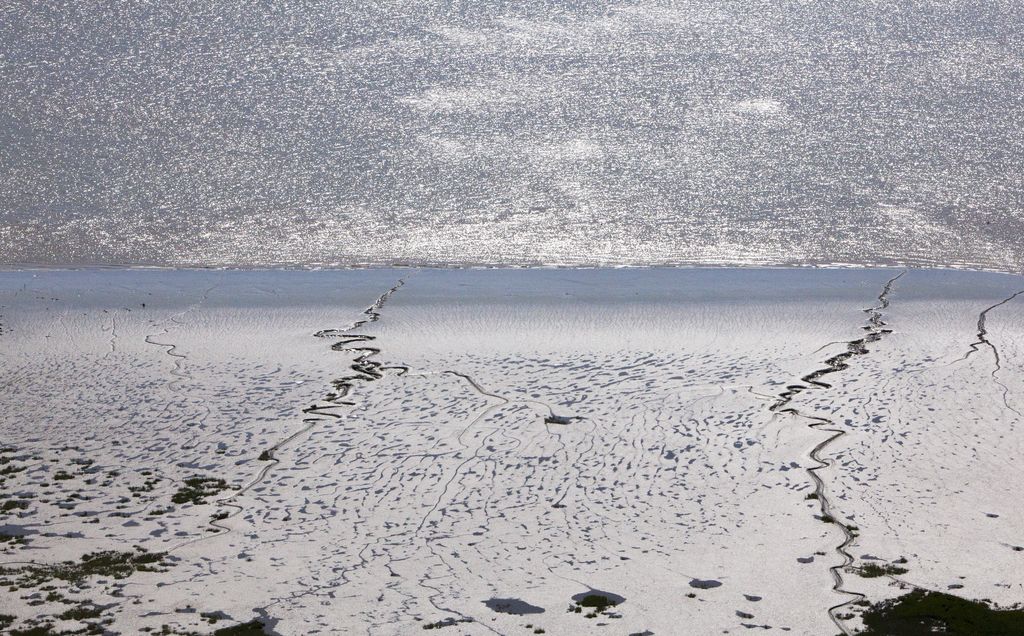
(923, 613)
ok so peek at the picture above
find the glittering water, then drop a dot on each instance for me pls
(341, 132)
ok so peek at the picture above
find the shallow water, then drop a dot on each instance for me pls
(512, 133)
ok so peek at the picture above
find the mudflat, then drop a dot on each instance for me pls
(562, 451)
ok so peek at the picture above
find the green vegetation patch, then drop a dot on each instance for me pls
(46, 629)
(596, 602)
(81, 613)
(118, 565)
(922, 613)
(14, 504)
(600, 601)
(875, 570)
(448, 622)
(16, 539)
(197, 489)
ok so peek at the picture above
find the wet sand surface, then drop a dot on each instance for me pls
(505, 451)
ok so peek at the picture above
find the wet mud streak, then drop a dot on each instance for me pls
(552, 417)
(875, 329)
(983, 331)
(365, 370)
(983, 341)
(171, 349)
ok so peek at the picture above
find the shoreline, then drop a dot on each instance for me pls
(29, 267)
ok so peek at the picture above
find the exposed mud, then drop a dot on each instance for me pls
(983, 341)
(875, 329)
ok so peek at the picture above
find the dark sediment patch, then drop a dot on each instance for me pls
(512, 606)
(254, 627)
(563, 420)
(705, 584)
(214, 617)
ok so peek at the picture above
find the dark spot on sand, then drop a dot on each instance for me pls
(559, 419)
(512, 606)
(705, 584)
(448, 622)
(598, 598)
(254, 627)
